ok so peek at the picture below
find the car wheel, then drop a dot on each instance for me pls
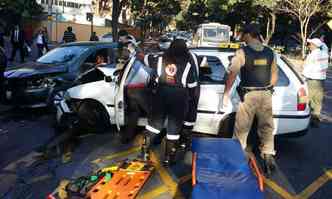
(93, 116)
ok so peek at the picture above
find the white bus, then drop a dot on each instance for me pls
(212, 35)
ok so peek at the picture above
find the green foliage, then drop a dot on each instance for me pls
(155, 13)
(17, 10)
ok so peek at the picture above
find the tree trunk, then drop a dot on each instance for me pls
(115, 19)
(270, 28)
(303, 38)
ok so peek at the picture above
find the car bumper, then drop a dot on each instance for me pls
(27, 98)
(288, 124)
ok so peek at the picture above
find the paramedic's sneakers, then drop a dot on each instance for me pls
(269, 165)
(170, 152)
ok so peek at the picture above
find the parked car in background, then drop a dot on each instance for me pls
(105, 100)
(35, 84)
(106, 37)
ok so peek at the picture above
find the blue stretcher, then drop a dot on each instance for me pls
(221, 171)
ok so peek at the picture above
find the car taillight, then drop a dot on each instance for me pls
(302, 99)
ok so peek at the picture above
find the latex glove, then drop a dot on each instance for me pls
(225, 101)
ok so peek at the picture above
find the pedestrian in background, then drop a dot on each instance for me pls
(46, 38)
(314, 70)
(17, 40)
(3, 66)
(256, 64)
(68, 35)
(40, 42)
(94, 37)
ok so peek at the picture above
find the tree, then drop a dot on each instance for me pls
(154, 15)
(116, 11)
(268, 9)
(304, 11)
(15, 12)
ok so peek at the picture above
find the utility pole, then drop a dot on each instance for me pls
(89, 17)
(49, 18)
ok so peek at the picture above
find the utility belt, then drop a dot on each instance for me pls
(314, 79)
(242, 91)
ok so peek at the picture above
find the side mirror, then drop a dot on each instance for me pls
(230, 58)
(108, 79)
(117, 72)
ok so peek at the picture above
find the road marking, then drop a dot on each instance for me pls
(166, 178)
(155, 192)
(171, 185)
(117, 155)
(278, 189)
(317, 184)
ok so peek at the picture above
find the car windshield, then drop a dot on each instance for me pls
(62, 54)
(215, 34)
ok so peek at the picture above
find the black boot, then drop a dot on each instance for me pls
(269, 165)
(170, 152)
(185, 139)
(314, 122)
(147, 145)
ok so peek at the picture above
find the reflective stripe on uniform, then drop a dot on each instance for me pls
(189, 123)
(172, 137)
(192, 85)
(146, 60)
(159, 66)
(185, 75)
(196, 62)
(151, 129)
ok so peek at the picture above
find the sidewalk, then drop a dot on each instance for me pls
(33, 55)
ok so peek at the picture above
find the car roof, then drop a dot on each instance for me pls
(92, 44)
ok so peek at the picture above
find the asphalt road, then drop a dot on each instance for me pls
(305, 164)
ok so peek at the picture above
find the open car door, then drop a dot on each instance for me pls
(119, 96)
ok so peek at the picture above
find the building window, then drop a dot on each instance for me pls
(56, 2)
(42, 1)
(76, 5)
(60, 3)
(64, 3)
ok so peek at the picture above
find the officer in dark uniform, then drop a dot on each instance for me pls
(256, 64)
(174, 74)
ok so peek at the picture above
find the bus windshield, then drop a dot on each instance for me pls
(216, 35)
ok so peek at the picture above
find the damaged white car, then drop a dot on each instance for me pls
(102, 100)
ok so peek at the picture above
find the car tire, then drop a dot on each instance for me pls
(93, 116)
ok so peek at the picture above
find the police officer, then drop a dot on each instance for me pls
(174, 74)
(256, 64)
(314, 71)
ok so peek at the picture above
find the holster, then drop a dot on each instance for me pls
(241, 92)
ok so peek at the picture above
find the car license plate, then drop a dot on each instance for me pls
(9, 95)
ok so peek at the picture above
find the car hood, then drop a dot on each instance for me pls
(34, 68)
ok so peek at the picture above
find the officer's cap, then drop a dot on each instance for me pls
(252, 29)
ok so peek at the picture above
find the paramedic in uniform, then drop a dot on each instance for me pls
(194, 94)
(256, 64)
(175, 73)
(314, 70)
